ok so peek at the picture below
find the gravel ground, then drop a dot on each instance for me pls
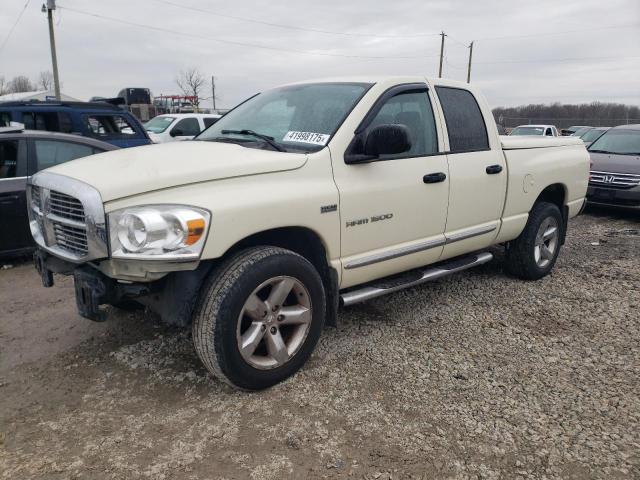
(475, 376)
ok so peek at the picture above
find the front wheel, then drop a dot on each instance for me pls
(534, 253)
(259, 317)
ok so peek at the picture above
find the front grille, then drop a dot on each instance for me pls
(35, 196)
(61, 220)
(66, 206)
(70, 238)
(614, 180)
(67, 218)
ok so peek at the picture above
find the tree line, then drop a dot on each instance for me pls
(564, 115)
(22, 83)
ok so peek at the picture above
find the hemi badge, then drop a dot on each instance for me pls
(329, 208)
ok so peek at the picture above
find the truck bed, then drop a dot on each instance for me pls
(521, 142)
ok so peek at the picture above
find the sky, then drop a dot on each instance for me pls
(540, 51)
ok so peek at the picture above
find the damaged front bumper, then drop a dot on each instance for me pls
(92, 287)
(172, 297)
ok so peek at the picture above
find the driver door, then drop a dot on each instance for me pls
(392, 213)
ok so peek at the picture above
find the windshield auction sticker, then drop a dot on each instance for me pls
(306, 137)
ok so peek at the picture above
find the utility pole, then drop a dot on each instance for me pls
(441, 54)
(469, 67)
(213, 92)
(49, 8)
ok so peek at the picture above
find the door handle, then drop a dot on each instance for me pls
(434, 177)
(493, 169)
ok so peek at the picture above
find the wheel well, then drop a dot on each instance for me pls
(304, 242)
(556, 194)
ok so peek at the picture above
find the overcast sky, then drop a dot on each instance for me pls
(550, 50)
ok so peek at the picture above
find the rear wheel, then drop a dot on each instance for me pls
(259, 317)
(534, 253)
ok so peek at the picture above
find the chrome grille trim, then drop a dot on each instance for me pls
(614, 179)
(67, 217)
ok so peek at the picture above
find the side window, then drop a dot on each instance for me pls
(412, 109)
(209, 121)
(5, 119)
(465, 124)
(187, 127)
(54, 152)
(9, 151)
(64, 120)
(47, 121)
(108, 126)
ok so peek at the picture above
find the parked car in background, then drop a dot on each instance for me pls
(98, 120)
(573, 129)
(581, 131)
(592, 134)
(23, 153)
(178, 126)
(615, 170)
(544, 130)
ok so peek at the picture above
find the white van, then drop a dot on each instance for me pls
(178, 126)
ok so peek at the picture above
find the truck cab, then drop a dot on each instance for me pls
(304, 198)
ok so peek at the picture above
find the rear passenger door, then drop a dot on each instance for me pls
(478, 177)
(14, 222)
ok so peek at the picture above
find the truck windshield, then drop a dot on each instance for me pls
(527, 131)
(158, 124)
(619, 142)
(296, 118)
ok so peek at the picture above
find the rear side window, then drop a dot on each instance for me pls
(186, 127)
(108, 126)
(55, 152)
(465, 124)
(209, 121)
(5, 119)
(8, 158)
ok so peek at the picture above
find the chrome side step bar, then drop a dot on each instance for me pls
(411, 279)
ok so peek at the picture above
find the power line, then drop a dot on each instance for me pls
(293, 27)
(558, 60)
(565, 32)
(4, 42)
(241, 44)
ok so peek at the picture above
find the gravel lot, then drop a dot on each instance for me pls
(475, 376)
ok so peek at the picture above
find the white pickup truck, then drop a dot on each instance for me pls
(302, 199)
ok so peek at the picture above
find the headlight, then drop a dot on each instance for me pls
(162, 232)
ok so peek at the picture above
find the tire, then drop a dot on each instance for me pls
(533, 254)
(241, 304)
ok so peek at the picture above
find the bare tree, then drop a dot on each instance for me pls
(191, 82)
(20, 84)
(44, 80)
(4, 86)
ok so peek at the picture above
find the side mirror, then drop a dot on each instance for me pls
(176, 132)
(386, 139)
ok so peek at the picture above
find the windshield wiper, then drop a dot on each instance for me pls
(600, 151)
(266, 138)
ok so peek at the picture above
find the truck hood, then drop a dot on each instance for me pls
(132, 171)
